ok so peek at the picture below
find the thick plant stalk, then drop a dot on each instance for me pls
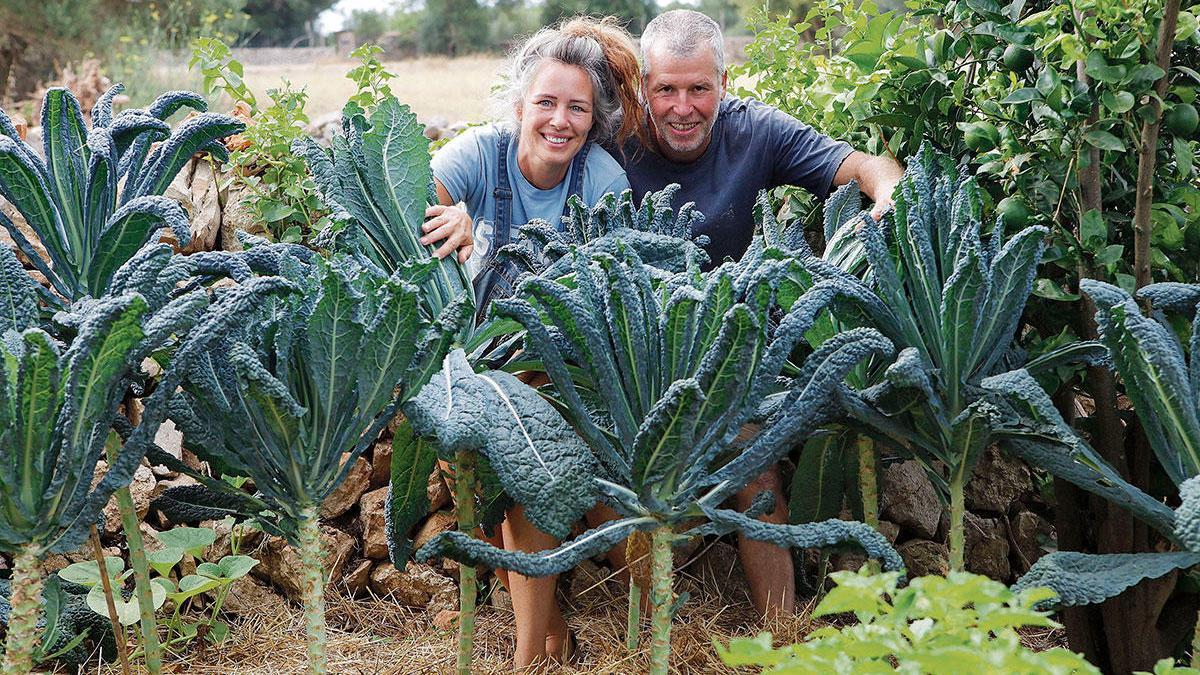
(1196, 644)
(106, 584)
(662, 598)
(312, 589)
(868, 482)
(957, 543)
(26, 603)
(464, 489)
(137, 555)
(634, 619)
(141, 582)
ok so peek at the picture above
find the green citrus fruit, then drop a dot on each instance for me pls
(1014, 211)
(1182, 119)
(1017, 58)
(981, 136)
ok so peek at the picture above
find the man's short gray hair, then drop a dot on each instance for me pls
(680, 31)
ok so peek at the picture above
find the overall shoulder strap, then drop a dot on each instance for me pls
(503, 194)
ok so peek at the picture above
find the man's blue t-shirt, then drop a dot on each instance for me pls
(467, 168)
(754, 147)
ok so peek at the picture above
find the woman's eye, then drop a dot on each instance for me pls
(544, 104)
(578, 109)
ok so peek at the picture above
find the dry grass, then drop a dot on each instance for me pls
(453, 89)
(372, 635)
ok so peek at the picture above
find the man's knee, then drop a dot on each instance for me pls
(767, 481)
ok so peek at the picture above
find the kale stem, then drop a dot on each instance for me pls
(312, 589)
(868, 482)
(956, 536)
(661, 597)
(464, 492)
(26, 602)
(634, 618)
(137, 553)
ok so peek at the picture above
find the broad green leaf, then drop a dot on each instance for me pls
(87, 573)
(193, 540)
(413, 461)
(817, 490)
(1104, 140)
(164, 560)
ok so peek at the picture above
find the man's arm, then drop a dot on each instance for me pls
(877, 177)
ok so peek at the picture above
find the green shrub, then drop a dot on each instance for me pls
(956, 624)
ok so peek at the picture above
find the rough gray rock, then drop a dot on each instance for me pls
(923, 557)
(417, 586)
(910, 500)
(279, 563)
(999, 483)
(986, 547)
(346, 495)
(1030, 532)
(372, 524)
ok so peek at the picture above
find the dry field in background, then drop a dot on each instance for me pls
(453, 89)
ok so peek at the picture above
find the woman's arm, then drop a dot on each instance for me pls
(448, 222)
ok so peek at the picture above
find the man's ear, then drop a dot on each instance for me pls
(724, 82)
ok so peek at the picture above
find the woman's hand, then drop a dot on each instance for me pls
(451, 224)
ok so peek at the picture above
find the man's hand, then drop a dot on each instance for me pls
(883, 204)
(452, 224)
(877, 177)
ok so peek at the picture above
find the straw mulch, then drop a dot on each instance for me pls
(372, 635)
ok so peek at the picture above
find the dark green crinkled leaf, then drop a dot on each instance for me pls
(1086, 579)
(413, 460)
(540, 460)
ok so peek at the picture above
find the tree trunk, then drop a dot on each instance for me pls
(26, 601)
(1148, 148)
(957, 509)
(868, 482)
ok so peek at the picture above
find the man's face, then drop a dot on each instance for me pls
(683, 93)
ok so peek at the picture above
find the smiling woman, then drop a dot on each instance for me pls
(568, 89)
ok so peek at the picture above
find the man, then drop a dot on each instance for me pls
(723, 151)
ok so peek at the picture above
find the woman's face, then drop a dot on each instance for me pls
(555, 115)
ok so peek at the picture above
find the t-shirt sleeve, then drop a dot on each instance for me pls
(806, 158)
(459, 166)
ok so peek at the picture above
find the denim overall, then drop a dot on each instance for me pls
(497, 278)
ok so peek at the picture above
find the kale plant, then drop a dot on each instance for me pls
(658, 379)
(313, 376)
(951, 301)
(96, 199)
(1164, 385)
(58, 405)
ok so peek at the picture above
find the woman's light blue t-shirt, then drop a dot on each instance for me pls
(466, 167)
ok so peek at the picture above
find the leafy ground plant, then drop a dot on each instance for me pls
(1165, 389)
(658, 378)
(182, 546)
(58, 406)
(951, 301)
(96, 199)
(305, 387)
(960, 623)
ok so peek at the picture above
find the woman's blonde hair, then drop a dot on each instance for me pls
(604, 50)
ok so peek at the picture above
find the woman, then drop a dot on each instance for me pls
(568, 90)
